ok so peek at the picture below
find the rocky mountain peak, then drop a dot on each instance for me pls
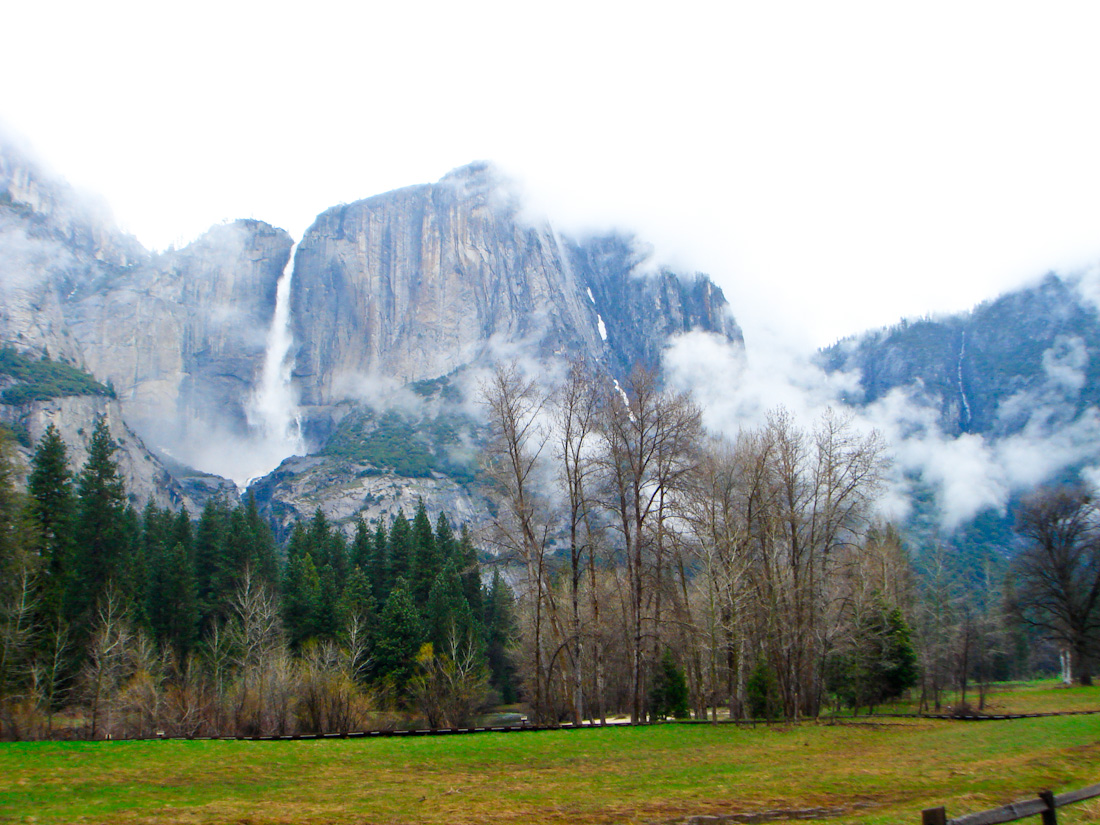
(418, 282)
(51, 207)
(477, 177)
(406, 286)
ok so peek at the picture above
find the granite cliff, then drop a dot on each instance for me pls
(396, 291)
(993, 370)
(416, 283)
(182, 337)
(983, 406)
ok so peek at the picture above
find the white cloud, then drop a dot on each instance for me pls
(814, 158)
(1066, 363)
(968, 473)
(833, 166)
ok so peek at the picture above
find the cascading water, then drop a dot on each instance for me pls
(962, 388)
(272, 409)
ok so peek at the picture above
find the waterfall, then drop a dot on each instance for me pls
(272, 410)
(962, 389)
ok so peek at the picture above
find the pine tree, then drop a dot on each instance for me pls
(15, 532)
(328, 546)
(264, 557)
(52, 506)
(450, 622)
(499, 632)
(470, 571)
(669, 694)
(328, 619)
(172, 604)
(356, 600)
(154, 541)
(399, 549)
(209, 555)
(899, 659)
(362, 547)
(182, 533)
(358, 616)
(18, 570)
(156, 526)
(425, 562)
(299, 544)
(301, 599)
(445, 543)
(132, 575)
(236, 552)
(400, 634)
(378, 568)
(101, 531)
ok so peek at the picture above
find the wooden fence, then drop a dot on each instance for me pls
(1046, 805)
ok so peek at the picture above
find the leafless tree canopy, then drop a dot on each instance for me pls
(636, 534)
(1058, 571)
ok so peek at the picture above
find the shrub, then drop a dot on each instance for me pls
(39, 380)
(763, 692)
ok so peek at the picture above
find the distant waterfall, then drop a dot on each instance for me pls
(962, 388)
(273, 407)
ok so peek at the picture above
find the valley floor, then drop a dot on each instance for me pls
(877, 771)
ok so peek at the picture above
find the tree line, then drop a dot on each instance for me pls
(114, 622)
(655, 570)
(753, 568)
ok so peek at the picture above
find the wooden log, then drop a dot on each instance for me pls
(1007, 813)
(1069, 797)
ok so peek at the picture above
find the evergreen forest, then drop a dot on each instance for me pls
(124, 623)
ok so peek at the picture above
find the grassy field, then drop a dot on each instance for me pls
(1021, 697)
(881, 772)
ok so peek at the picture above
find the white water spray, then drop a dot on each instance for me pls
(272, 409)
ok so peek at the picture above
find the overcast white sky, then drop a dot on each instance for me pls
(834, 166)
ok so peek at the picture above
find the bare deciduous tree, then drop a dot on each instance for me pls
(521, 529)
(651, 438)
(449, 685)
(18, 604)
(105, 666)
(575, 410)
(328, 698)
(254, 638)
(1058, 571)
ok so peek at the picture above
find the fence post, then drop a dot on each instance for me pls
(933, 816)
(1050, 815)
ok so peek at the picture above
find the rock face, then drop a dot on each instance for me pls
(641, 311)
(985, 406)
(182, 338)
(75, 417)
(347, 490)
(1031, 354)
(410, 286)
(413, 284)
(56, 248)
(52, 244)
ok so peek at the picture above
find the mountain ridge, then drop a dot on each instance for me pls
(411, 285)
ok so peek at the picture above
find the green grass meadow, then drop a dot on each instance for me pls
(883, 771)
(1039, 696)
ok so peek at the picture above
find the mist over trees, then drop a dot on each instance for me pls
(752, 567)
(641, 538)
(640, 566)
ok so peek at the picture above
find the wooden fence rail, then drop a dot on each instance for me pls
(1044, 805)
